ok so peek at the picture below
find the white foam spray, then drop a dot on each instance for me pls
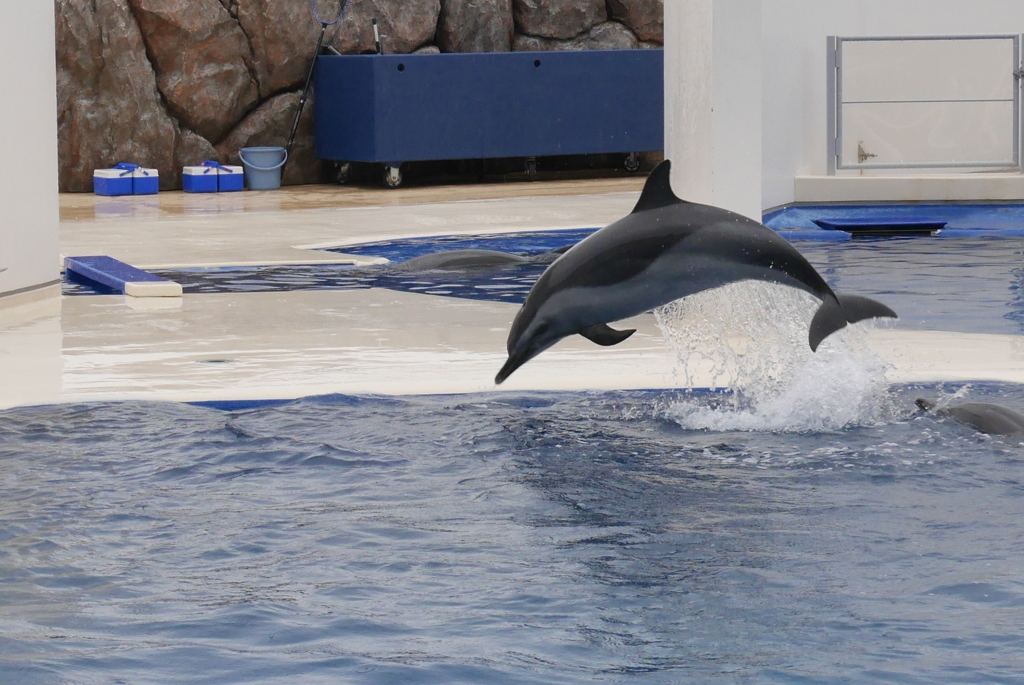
(751, 338)
(945, 399)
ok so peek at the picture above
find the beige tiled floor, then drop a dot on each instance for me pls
(84, 206)
(290, 344)
(246, 228)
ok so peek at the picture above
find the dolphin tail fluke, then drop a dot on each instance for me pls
(858, 308)
(603, 334)
(827, 320)
(834, 314)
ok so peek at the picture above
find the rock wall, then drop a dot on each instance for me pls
(168, 83)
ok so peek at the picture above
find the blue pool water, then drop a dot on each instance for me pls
(505, 538)
(528, 538)
(524, 243)
(964, 284)
(961, 220)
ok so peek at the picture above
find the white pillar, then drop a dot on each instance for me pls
(29, 204)
(713, 102)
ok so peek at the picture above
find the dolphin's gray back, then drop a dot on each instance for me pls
(654, 256)
(459, 259)
(676, 251)
(987, 418)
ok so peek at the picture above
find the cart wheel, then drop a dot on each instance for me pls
(343, 174)
(632, 162)
(392, 176)
(531, 168)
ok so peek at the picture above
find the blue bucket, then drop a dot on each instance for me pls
(263, 166)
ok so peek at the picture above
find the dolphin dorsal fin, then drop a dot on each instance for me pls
(658, 190)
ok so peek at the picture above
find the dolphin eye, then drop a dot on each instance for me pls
(542, 328)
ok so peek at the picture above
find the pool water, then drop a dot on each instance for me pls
(502, 283)
(961, 220)
(971, 285)
(813, 529)
(506, 538)
(963, 284)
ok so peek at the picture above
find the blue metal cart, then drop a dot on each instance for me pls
(392, 109)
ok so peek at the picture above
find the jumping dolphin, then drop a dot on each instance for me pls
(983, 416)
(664, 250)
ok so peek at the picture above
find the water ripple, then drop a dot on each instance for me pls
(517, 538)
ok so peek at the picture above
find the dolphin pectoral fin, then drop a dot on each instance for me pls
(657, 190)
(835, 313)
(603, 334)
(858, 308)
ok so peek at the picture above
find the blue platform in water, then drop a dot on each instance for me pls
(121, 277)
(941, 220)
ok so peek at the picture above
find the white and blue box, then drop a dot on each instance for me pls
(145, 182)
(212, 177)
(230, 178)
(199, 179)
(126, 179)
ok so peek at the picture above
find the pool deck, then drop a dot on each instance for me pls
(246, 346)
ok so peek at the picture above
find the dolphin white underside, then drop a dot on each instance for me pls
(667, 279)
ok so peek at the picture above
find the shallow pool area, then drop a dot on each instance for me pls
(924, 279)
(518, 537)
(952, 219)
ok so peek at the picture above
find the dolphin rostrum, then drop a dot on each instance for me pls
(664, 250)
(989, 418)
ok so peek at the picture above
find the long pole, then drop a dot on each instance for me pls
(305, 92)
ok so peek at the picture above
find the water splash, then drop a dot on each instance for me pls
(751, 338)
(945, 398)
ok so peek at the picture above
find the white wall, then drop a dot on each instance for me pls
(712, 102)
(29, 210)
(793, 68)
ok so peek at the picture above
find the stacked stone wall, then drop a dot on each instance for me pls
(168, 83)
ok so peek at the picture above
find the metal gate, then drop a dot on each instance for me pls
(924, 102)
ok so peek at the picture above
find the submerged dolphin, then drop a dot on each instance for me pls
(459, 260)
(665, 249)
(466, 260)
(983, 416)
